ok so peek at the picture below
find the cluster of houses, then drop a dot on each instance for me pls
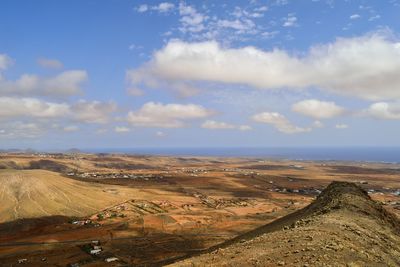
(116, 175)
(218, 203)
(94, 248)
(87, 222)
(303, 191)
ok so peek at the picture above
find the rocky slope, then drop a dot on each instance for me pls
(342, 227)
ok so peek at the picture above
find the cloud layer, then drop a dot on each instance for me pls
(343, 67)
(318, 109)
(66, 83)
(385, 111)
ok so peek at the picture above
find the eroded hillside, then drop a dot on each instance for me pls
(343, 227)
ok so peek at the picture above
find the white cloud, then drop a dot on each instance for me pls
(30, 107)
(5, 61)
(121, 129)
(385, 111)
(341, 126)
(375, 17)
(66, 83)
(269, 35)
(166, 116)
(219, 125)
(281, 2)
(318, 109)
(164, 7)
(21, 130)
(290, 21)
(343, 67)
(280, 122)
(243, 25)
(210, 124)
(355, 16)
(261, 9)
(142, 8)
(93, 111)
(82, 111)
(50, 63)
(191, 20)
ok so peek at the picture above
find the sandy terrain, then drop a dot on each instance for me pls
(153, 210)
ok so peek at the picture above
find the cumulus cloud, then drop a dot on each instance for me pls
(92, 111)
(50, 63)
(66, 83)
(280, 122)
(161, 115)
(30, 107)
(21, 130)
(318, 109)
(343, 67)
(83, 111)
(385, 111)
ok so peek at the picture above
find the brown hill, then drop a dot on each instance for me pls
(37, 193)
(342, 227)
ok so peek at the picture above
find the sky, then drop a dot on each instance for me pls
(126, 74)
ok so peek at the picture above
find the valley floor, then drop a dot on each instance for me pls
(153, 210)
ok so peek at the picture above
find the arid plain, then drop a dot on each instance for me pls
(155, 210)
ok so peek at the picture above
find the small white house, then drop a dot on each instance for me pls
(95, 251)
(112, 259)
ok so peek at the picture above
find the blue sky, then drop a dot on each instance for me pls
(122, 73)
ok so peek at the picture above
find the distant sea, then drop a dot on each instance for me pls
(366, 154)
